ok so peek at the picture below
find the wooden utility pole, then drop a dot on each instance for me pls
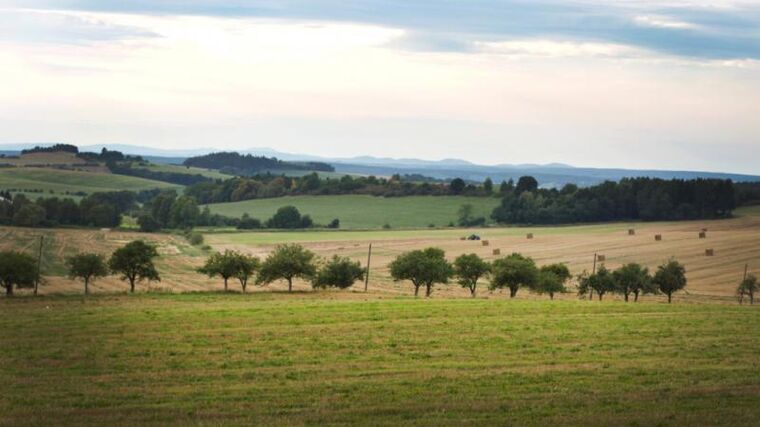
(366, 275)
(746, 266)
(39, 265)
(593, 271)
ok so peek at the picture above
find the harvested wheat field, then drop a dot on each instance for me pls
(735, 242)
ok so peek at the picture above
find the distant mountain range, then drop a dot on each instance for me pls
(548, 175)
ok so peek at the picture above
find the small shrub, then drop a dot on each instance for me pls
(195, 239)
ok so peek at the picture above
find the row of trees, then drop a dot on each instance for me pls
(286, 262)
(270, 186)
(630, 199)
(427, 267)
(133, 262)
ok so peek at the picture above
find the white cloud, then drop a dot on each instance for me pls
(557, 49)
(335, 88)
(655, 21)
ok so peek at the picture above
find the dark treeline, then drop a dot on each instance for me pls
(246, 165)
(96, 210)
(269, 186)
(747, 193)
(66, 148)
(630, 199)
(125, 168)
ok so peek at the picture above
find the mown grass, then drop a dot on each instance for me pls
(62, 181)
(230, 235)
(358, 211)
(336, 358)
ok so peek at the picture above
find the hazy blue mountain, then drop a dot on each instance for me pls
(548, 175)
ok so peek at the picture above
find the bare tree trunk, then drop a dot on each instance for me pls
(86, 286)
(551, 296)
(290, 285)
(472, 291)
(626, 296)
(225, 284)
(416, 290)
(670, 296)
(512, 292)
(9, 291)
(636, 296)
(600, 296)
(429, 290)
(132, 286)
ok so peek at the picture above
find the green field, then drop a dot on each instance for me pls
(361, 212)
(210, 173)
(61, 181)
(312, 359)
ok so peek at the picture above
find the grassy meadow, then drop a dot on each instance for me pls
(60, 181)
(366, 212)
(209, 173)
(345, 359)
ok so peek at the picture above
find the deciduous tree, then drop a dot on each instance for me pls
(552, 279)
(468, 269)
(748, 287)
(287, 262)
(134, 262)
(513, 272)
(88, 267)
(338, 272)
(424, 267)
(633, 279)
(222, 265)
(670, 278)
(17, 270)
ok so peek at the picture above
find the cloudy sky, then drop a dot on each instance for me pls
(612, 83)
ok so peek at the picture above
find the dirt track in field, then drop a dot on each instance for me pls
(736, 242)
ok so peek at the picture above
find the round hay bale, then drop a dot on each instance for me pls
(530, 236)
(601, 258)
(497, 251)
(702, 234)
(486, 242)
(709, 252)
(631, 232)
(658, 237)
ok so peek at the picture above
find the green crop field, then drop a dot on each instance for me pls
(341, 358)
(358, 212)
(62, 181)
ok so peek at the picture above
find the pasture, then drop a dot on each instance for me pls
(59, 182)
(366, 212)
(332, 358)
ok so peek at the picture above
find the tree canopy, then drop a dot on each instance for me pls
(339, 272)
(468, 269)
(424, 267)
(513, 272)
(552, 279)
(287, 262)
(88, 267)
(670, 278)
(17, 270)
(134, 262)
(633, 278)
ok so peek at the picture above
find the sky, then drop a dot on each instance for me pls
(659, 84)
